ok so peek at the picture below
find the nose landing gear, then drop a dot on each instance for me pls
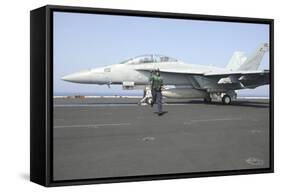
(147, 97)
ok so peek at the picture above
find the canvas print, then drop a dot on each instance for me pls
(138, 96)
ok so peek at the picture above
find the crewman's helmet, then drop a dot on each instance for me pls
(157, 72)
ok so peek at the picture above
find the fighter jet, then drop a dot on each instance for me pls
(184, 80)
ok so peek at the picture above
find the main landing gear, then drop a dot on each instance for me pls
(226, 98)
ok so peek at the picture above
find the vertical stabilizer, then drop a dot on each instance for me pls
(239, 61)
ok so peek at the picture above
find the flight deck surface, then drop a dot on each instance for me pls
(109, 137)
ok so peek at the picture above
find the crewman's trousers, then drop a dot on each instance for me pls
(158, 96)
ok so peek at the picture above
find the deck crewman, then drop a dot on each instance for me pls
(156, 90)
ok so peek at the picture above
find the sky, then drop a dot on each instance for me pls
(84, 41)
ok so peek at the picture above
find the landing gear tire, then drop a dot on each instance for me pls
(226, 99)
(207, 100)
(149, 101)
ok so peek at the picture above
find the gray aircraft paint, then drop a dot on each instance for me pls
(197, 81)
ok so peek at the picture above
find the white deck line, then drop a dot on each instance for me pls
(252, 97)
(93, 125)
(113, 97)
(211, 120)
(139, 97)
(97, 105)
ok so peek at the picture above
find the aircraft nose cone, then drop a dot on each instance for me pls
(80, 77)
(71, 78)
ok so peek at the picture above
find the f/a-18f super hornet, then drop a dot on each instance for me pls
(187, 80)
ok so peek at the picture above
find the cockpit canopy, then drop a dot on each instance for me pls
(149, 59)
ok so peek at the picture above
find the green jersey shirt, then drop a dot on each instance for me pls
(156, 82)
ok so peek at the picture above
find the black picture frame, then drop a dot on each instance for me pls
(41, 94)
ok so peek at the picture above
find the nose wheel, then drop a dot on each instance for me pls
(147, 97)
(149, 101)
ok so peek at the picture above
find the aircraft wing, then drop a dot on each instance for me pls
(209, 74)
(173, 71)
(242, 79)
(261, 72)
(247, 79)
